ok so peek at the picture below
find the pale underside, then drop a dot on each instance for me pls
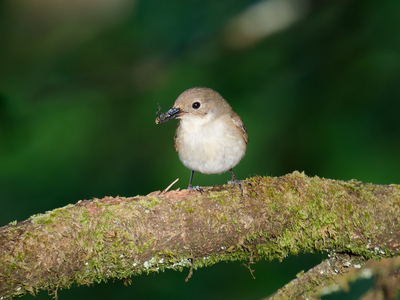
(210, 146)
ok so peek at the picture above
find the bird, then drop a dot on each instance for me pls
(210, 137)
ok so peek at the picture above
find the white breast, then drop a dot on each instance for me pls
(210, 146)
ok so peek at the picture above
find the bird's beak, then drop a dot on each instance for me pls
(170, 114)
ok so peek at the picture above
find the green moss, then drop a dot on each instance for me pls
(149, 202)
(287, 215)
(85, 217)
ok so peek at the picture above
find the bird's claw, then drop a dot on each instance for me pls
(195, 188)
(239, 183)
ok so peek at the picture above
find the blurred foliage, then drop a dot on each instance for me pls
(80, 82)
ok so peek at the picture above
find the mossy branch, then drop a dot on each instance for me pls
(101, 239)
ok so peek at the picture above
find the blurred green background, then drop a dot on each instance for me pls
(316, 83)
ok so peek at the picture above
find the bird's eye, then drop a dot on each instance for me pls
(196, 105)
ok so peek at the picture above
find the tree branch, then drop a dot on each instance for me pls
(101, 239)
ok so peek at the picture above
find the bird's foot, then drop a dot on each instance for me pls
(195, 188)
(238, 182)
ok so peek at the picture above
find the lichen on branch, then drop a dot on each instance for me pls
(115, 238)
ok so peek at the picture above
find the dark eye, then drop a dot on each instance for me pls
(196, 105)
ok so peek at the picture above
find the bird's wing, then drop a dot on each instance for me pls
(239, 124)
(176, 136)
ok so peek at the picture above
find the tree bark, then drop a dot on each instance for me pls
(101, 239)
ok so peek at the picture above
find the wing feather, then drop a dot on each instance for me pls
(176, 137)
(240, 125)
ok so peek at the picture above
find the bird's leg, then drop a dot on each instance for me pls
(233, 176)
(237, 182)
(193, 188)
